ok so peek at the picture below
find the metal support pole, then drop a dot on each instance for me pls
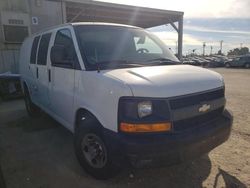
(221, 46)
(180, 37)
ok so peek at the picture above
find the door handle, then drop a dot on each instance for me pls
(49, 75)
(37, 74)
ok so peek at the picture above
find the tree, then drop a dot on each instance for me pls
(237, 51)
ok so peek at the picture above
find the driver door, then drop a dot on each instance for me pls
(62, 72)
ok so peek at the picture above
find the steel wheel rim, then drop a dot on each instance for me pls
(94, 151)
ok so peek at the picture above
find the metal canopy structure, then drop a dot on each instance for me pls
(95, 11)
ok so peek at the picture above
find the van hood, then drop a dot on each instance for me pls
(167, 81)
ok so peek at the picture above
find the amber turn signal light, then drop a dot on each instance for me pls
(141, 128)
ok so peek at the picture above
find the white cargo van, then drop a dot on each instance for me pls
(124, 96)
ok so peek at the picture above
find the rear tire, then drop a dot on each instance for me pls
(31, 108)
(90, 148)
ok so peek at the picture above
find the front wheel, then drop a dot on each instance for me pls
(227, 65)
(247, 65)
(91, 150)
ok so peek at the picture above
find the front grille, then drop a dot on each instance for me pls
(189, 100)
(197, 120)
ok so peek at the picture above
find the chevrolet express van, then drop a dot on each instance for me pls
(124, 96)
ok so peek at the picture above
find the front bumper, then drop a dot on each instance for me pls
(168, 148)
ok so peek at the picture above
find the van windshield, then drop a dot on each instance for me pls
(108, 47)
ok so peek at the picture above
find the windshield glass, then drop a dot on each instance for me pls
(115, 47)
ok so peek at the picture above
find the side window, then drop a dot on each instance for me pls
(147, 44)
(64, 39)
(43, 49)
(34, 50)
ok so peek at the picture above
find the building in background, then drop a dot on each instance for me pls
(20, 18)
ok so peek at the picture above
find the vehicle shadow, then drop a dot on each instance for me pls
(52, 162)
(189, 174)
(60, 168)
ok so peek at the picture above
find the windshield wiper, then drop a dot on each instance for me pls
(117, 63)
(162, 61)
(129, 64)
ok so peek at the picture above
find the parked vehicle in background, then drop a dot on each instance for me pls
(243, 61)
(217, 62)
(124, 96)
(206, 61)
(188, 61)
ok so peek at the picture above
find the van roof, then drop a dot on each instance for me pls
(83, 23)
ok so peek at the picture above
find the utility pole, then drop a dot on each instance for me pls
(211, 50)
(241, 44)
(221, 46)
(204, 46)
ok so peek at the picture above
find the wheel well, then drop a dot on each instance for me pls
(25, 87)
(84, 112)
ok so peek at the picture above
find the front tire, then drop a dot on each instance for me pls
(227, 65)
(247, 65)
(91, 151)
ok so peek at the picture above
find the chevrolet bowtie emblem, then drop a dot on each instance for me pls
(204, 108)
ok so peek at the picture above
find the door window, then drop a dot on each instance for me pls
(34, 50)
(43, 49)
(64, 39)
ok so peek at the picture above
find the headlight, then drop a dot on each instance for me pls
(143, 115)
(144, 109)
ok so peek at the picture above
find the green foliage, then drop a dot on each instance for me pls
(239, 51)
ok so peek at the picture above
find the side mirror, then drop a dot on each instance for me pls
(58, 57)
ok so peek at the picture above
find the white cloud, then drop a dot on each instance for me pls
(170, 38)
(198, 32)
(203, 29)
(191, 42)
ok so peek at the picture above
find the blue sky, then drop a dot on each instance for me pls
(204, 21)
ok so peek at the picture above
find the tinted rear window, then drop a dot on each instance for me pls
(43, 49)
(34, 50)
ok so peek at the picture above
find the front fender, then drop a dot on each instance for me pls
(99, 94)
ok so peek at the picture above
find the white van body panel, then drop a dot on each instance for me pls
(168, 81)
(27, 70)
(99, 92)
(61, 88)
